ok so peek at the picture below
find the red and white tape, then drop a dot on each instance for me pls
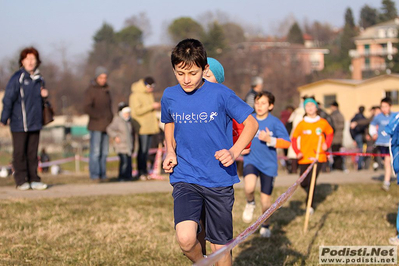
(214, 257)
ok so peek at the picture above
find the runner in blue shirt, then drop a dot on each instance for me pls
(376, 130)
(200, 155)
(262, 158)
(392, 129)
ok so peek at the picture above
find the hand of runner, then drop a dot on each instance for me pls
(226, 157)
(264, 135)
(324, 146)
(169, 163)
(245, 151)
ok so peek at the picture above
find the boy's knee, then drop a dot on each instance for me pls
(186, 242)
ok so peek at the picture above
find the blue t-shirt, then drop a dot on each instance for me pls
(203, 125)
(262, 156)
(381, 121)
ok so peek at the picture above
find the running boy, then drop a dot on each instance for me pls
(376, 130)
(200, 156)
(310, 129)
(262, 158)
(392, 129)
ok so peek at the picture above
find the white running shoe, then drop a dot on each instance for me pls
(311, 210)
(385, 186)
(248, 212)
(265, 232)
(38, 186)
(24, 186)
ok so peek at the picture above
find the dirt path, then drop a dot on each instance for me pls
(115, 188)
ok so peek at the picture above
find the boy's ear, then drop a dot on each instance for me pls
(205, 71)
(271, 106)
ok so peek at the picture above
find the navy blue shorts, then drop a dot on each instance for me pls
(191, 199)
(383, 149)
(266, 182)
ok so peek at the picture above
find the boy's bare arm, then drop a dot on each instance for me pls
(227, 157)
(170, 159)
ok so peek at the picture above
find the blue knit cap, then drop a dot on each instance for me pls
(217, 69)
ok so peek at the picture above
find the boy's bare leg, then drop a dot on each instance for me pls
(266, 203)
(226, 260)
(250, 184)
(387, 166)
(186, 234)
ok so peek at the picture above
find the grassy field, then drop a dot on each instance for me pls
(138, 229)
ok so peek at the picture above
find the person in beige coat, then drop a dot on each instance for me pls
(143, 108)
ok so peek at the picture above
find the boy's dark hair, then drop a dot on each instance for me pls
(268, 95)
(361, 109)
(334, 103)
(189, 52)
(290, 107)
(387, 100)
(149, 80)
(30, 50)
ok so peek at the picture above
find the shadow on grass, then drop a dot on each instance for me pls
(391, 218)
(381, 178)
(278, 250)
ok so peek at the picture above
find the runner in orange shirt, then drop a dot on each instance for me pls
(309, 130)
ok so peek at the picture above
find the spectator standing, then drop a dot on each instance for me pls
(44, 158)
(23, 111)
(144, 110)
(98, 105)
(121, 131)
(256, 86)
(357, 134)
(296, 117)
(371, 148)
(339, 124)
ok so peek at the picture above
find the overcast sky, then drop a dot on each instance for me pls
(51, 24)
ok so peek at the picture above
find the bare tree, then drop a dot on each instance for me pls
(142, 22)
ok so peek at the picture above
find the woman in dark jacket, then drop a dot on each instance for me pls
(22, 109)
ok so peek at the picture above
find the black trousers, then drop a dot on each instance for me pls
(25, 147)
(305, 184)
(338, 161)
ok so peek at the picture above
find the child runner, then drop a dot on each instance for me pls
(262, 158)
(376, 130)
(122, 132)
(392, 129)
(310, 129)
(200, 156)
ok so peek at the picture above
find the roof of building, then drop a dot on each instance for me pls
(349, 82)
(372, 32)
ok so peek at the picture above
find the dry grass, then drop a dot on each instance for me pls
(138, 229)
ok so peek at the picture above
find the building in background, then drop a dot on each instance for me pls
(350, 94)
(374, 50)
(305, 56)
